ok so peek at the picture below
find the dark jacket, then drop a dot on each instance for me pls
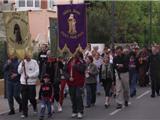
(10, 69)
(45, 91)
(123, 59)
(53, 70)
(42, 57)
(154, 65)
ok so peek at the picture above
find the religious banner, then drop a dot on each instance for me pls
(17, 32)
(72, 26)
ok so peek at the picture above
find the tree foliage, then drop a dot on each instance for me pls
(132, 21)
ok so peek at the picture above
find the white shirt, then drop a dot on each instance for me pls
(32, 71)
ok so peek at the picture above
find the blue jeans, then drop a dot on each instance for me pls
(133, 76)
(91, 93)
(98, 89)
(45, 103)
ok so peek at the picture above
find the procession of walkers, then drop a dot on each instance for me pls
(118, 71)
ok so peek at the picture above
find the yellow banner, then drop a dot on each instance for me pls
(17, 32)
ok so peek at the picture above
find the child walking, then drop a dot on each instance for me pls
(46, 96)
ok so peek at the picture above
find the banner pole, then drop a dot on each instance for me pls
(53, 37)
(71, 1)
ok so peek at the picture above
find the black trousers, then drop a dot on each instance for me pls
(56, 91)
(28, 93)
(107, 84)
(76, 99)
(155, 87)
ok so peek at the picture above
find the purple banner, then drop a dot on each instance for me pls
(72, 26)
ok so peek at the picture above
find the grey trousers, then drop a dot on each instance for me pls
(122, 88)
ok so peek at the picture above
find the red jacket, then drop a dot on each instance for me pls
(77, 74)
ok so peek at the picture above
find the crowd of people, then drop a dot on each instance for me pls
(119, 71)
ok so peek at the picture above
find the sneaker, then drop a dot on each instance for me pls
(87, 106)
(106, 106)
(98, 93)
(35, 111)
(119, 106)
(53, 110)
(133, 94)
(20, 108)
(23, 116)
(126, 103)
(49, 115)
(158, 93)
(59, 108)
(152, 96)
(93, 104)
(41, 118)
(79, 116)
(114, 96)
(12, 112)
(65, 95)
(74, 115)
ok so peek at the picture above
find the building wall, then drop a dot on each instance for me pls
(44, 4)
(39, 23)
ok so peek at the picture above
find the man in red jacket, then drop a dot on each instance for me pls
(76, 68)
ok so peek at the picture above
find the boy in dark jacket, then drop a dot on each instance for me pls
(46, 96)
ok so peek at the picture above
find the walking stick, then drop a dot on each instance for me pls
(25, 74)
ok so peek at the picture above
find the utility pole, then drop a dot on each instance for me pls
(150, 15)
(145, 34)
(113, 25)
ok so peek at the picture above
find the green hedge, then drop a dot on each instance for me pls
(2, 57)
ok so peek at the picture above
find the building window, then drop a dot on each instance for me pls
(5, 1)
(51, 4)
(37, 3)
(21, 3)
(29, 3)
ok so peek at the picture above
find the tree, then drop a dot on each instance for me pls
(131, 21)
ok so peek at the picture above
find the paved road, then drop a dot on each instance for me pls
(141, 107)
